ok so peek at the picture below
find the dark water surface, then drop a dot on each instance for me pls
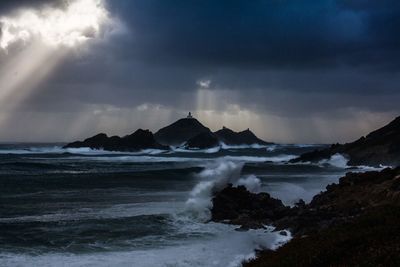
(80, 207)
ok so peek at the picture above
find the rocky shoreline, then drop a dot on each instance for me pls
(358, 197)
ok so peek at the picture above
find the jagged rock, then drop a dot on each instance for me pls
(246, 137)
(355, 194)
(203, 141)
(141, 139)
(379, 147)
(238, 206)
(180, 131)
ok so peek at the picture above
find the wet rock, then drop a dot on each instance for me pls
(355, 194)
(238, 206)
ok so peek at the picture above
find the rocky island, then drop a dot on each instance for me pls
(246, 137)
(186, 132)
(141, 139)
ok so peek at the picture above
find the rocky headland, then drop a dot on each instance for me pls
(378, 147)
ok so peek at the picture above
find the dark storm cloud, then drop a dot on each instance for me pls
(281, 57)
(265, 34)
(300, 46)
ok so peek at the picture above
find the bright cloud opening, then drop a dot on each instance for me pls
(79, 21)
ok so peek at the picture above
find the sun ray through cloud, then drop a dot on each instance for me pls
(35, 41)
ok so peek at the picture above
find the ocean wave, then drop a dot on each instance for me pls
(213, 179)
(113, 212)
(185, 150)
(336, 160)
(205, 252)
(339, 161)
(79, 151)
(275, 159)
(252, 146)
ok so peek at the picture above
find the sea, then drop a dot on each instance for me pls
(84, 207)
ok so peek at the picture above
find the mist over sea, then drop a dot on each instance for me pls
(82, 207)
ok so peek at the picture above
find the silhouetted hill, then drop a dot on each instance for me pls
(379, 147)
(180, 131)
(246, 137)
(203, 140)
(141, 139)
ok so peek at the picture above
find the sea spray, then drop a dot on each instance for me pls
(214, 179)
(251, 182)
(336, 160)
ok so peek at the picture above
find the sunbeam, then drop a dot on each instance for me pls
(80, 21)
(43, 38)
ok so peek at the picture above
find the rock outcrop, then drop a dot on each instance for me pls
(202, 141)
(355, 194)
(246, 137)
(359, 214)
(379, 147)
(141, 139)
(238, 206)
(371, 239)
(180, 132)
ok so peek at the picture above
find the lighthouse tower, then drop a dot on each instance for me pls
(189, 116)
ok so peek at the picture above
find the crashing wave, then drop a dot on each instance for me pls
(214, 179)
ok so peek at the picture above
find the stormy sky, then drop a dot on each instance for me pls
(292, 71)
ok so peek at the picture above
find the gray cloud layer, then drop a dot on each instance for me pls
(299, 66)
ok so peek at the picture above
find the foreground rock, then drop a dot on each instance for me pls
(246, 137)
(360, 213)
(371, 239)
(379, 147)
(355, 194)
(238, 206)
(141, 139)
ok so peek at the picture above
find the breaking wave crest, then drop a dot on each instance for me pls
(336, 160)
(214, 179)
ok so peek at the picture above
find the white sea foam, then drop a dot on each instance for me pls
(80, 151)
(253, 146)
(276, 159)
(336, 160)
(185, 150)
